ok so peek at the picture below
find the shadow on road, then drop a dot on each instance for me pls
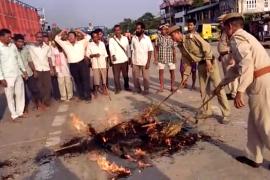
(50, 168)
(232, 151)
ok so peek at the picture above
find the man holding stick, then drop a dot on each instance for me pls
(96, 51)
(253, 70)
(195, 49)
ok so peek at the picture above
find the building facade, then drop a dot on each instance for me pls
(177, 11)
(207, 13)
(173, 11)
(245, 7)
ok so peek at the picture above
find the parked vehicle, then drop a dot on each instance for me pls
(209, 32)
(19, 17)
(153, 34)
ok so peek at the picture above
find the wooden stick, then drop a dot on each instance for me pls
(68, 147)
(106, 88)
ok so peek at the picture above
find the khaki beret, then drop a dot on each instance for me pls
(173, 29)
(232, 15)
(220, 18)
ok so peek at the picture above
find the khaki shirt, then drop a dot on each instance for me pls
(249, 55)
(194, 49)
(223, 44)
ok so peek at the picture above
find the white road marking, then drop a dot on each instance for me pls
(54, 137)
(240, 123)
(52, 141)
(62, 108)
(55, 133)
(59, 120)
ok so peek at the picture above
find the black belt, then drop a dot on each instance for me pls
(202, 62)
(224, 53)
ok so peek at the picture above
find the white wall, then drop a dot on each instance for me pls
(178, 15)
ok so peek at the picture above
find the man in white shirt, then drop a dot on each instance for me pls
(11, 71)
(141, 48)
(120, 57)
(97, 52)
(31, 82)
(55, 86)
(42, 67)
(75, 51)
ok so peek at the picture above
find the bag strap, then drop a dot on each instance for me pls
(120, 46)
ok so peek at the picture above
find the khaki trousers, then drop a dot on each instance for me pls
(100, 75)
(65, 87)
(227, 68)
(214, 77)
(259, 118)
(137, 71)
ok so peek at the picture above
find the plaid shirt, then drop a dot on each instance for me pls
(165, 46)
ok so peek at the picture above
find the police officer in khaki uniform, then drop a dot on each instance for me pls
(226, 59)
(253, 70)
(196, 49)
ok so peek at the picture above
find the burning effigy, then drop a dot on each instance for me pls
(133, 141)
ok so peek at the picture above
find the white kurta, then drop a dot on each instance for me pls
(251, 56)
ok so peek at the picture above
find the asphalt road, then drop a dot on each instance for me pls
(25, 143)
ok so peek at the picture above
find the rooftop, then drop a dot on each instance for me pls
(167, 3)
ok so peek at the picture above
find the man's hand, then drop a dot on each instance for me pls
(96, 55)
(218, 89)
(129, 61)
(35, 74)
(52, 72)
(25, 75)
(156, 62)
(184, 81)
(232, 62)
(220, 58)
(113, 58)
(3, 83)
(239, 100)
(147, 66)
(209, 66)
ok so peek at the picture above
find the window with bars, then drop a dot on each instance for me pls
(251, 4)
(266, 3)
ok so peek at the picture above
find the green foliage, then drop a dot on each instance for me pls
(198, 3)
(151, 22)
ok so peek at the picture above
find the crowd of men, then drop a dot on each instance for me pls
(49, 69)
(60, 67)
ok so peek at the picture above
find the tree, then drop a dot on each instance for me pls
(198, 3)
(128, 25)
(151, 22)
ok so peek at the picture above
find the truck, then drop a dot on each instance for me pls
(20, 18)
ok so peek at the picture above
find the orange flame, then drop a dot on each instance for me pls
(79, 125)
(111, 168)
(139, 152)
